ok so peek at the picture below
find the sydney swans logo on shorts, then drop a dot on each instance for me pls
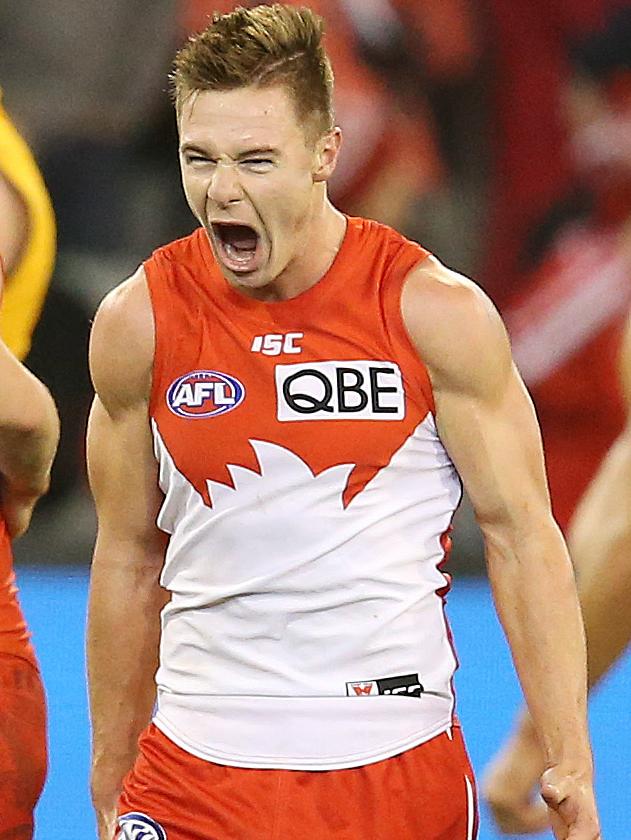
(137, 826)
(407, 685)
(204, 393)
(348, 390)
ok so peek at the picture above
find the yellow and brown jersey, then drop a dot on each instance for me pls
(25, 288)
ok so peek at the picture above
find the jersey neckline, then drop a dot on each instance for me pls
(310, 296)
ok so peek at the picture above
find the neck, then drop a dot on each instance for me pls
(324, 233)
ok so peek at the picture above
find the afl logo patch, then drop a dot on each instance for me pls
(137, 826)
(204, 393)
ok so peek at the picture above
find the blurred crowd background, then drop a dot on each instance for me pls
(495, 132)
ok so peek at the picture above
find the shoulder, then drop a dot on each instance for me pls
(122, 344)
(369, 231)
(183, 250)
(454, 327)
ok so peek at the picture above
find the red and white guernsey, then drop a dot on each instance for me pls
(307, 497)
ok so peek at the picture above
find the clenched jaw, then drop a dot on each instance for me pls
(238, 246)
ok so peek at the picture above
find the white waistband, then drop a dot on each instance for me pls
(300, 733)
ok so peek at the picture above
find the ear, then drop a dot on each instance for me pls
(326, 154)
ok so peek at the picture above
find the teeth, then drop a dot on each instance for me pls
(236, 255)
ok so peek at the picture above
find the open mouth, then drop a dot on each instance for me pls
(238, 246)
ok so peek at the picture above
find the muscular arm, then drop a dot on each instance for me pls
(487, 423)
(29, 426)
(600, 546)
(125, 595)
(29, 432)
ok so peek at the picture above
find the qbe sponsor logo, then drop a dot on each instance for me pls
(204, 393)
(340, 390)
(137, 826)
(407, 685)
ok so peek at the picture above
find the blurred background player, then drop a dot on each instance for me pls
(558, 250)
(600, 544)
(28, 439)
(27, 239)
(567, 332)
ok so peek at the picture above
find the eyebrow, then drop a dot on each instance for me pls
(193, 147)
(259, 150)
(262, 150)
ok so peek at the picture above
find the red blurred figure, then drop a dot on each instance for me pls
(558, 262)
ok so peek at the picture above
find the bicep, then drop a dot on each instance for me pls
(493, 439)
(484, 414)
(123, 475)
(25, 403)
(122, 469)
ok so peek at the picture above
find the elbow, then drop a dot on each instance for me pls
(515, 534)
(49, 425)
(40, 424)
(28, 441)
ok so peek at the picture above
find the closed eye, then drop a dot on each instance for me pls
(195, 159)
(258, 164)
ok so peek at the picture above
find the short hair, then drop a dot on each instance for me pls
(262, 46)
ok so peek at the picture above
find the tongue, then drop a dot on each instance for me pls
(240, 237)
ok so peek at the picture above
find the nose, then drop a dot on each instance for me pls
(224, 187)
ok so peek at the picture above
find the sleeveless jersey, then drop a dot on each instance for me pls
(25, 289)
(308, 499)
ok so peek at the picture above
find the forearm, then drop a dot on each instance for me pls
(535, 593)
(29, 428)
(122, 647)
(600, 546)
(26, 459)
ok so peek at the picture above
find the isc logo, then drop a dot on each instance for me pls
(274, 344)
(348, 390)
(204, 393)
